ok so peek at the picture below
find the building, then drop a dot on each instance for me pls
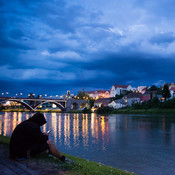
(132, 98)
(117, 104)
(99, 94)
(118, 89)
(172, 92)
(142, 89)
(171, 85)
(101, 102)
(144, 98)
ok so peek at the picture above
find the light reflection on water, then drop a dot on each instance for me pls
(142, 144)
(65, 129)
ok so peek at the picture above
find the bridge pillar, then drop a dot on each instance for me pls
(75, 103)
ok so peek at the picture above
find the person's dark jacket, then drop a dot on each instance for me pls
(26, 134)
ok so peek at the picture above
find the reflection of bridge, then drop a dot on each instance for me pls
(33, 103)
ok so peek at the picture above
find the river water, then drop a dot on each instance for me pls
(144, 144)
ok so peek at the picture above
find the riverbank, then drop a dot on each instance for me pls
(143, 111)
(44, 164)
(115, 111)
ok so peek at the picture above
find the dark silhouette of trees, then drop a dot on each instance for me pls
(166, 92)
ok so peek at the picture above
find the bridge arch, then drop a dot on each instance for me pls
(51, 101)
(21, 102)
(74, 106)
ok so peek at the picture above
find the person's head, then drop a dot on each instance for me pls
(38, 118)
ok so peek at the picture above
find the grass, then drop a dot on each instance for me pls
(4, 140)
(115, 111)
(81, 166)
(143, 111)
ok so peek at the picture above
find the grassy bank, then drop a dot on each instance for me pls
(81, 167)
(143, 111)
(115, 111)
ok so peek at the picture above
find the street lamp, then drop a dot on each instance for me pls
(2, 94)
(21, 94)
(7, 93)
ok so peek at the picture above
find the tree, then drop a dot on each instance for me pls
(91, 103)
(153, 88)
(82, 95)
(166, 92)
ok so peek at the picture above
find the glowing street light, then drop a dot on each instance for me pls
(2, 93)
(21, 94)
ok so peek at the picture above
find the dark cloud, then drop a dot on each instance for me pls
(163, 38)
(52, 46)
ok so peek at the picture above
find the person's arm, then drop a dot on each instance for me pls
(37, 135)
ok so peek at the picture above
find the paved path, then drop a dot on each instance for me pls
(26, 167)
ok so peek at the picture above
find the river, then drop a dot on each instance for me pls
(144, 144)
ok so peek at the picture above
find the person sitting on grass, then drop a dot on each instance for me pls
(28, 140)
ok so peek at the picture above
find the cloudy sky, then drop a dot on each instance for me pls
(51, 46)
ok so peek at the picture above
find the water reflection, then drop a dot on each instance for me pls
(67, 129)
(148, 140)
(76, 130)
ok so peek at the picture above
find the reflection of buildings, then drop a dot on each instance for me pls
(99, 128)
(54, 125)
(67, 130)
(70, 129)
(85, 132)
(9, 121)
(76, 133)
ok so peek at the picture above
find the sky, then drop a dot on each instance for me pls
(51, 46)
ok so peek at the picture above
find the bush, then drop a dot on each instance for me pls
(86, 110)
(155, 103)
(104, 110)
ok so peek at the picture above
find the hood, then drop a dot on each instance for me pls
(38, 118)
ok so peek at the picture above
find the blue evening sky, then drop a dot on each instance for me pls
(51, 46)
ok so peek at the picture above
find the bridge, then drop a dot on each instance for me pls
(33, 103)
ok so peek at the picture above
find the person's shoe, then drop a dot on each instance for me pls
(62, 158)
(66, 160)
